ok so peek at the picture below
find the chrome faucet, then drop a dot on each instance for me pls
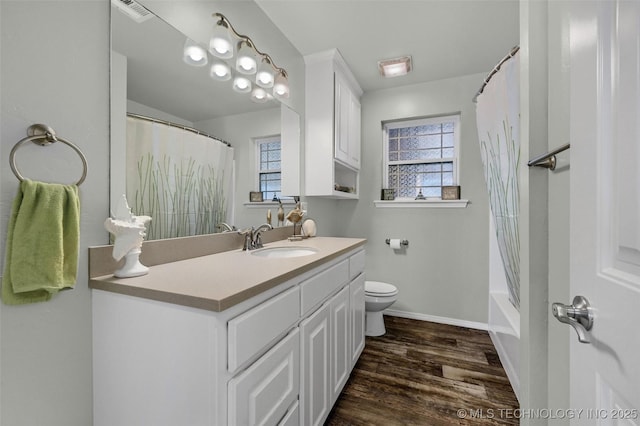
(225, 227)
(256, 240)
(252, 237)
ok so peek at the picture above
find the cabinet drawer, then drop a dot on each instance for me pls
(356, 264)
(256, 328)
(292, 416)
(263, 393)
(316, 289)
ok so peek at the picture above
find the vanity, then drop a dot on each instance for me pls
(266, 337)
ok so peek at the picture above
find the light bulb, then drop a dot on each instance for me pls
(246, 62)
(264, 76)
(241, 84)
(220, 43)
(193, 54)
(259, 95)
(281, 87)
(220, 71)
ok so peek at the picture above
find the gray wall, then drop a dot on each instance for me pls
(444, 272)
(54, 70)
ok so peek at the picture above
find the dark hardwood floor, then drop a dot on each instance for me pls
(424, 373)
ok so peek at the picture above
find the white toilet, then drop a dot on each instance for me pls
(378, 296)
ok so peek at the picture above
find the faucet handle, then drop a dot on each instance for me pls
(248, 238)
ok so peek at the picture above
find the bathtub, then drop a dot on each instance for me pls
(504, 330)
(504, 318)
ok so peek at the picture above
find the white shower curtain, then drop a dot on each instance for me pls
(498, 120)
(181, 179)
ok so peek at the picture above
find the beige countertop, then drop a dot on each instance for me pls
(219, 281)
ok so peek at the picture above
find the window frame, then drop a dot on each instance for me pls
(413, 122)
(258, 141)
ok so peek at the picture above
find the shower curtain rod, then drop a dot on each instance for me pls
(179, 126)
(495, 70)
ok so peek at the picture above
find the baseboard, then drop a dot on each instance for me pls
(440, 320)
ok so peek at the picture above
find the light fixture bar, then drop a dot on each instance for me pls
(247, 40)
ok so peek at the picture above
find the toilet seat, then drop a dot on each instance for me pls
(379, 289)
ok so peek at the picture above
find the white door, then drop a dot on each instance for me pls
(605, 208)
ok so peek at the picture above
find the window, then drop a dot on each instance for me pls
(421, 156)
(269, 176)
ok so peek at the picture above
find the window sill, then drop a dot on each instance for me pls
(434, 203)
(263, 204)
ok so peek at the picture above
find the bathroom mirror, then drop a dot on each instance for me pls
(149, 77)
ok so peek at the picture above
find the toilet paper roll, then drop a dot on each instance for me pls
(395, 243)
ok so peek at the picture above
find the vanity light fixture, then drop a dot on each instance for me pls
(194, 54)
(259, 95)
(220, 43)
(281, 85)
(220, 70)
(264, 75)
(248, 61)
(395, 67)
(241, 84)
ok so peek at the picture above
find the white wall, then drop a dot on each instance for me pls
(559, 334)
(54, 70)
(534, 210)
(444, 272)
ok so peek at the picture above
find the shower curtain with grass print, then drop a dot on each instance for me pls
(179, 178)
(498, 120)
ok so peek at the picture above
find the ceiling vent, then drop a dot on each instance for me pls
(133, 10)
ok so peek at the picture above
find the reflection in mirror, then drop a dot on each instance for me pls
(182, 179)
(150, 78)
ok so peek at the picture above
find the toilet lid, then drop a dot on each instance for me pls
(378, 288)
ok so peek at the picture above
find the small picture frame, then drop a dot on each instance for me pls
(255, 197)
(388, 194)
(451, 192)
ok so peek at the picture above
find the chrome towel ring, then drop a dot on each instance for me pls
(44, 135)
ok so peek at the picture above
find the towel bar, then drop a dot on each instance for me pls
(44, 135)
(548, 160)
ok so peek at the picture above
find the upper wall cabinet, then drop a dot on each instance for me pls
(332, 127)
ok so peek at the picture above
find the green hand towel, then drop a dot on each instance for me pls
(42, 242)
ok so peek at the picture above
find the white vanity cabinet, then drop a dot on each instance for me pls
(279, 358)
(332, 127)
(332, 338)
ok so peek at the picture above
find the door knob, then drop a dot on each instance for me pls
(579, 315)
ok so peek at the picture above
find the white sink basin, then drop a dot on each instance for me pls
(284, 252)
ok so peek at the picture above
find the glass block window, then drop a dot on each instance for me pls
(421, 156)
(269, 176)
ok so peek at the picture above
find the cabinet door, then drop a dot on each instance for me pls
(354, 131)
(340, 342)
(341, 117)
(263, 393)
(315, 358)
(356, 302)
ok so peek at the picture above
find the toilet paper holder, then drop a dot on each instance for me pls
(403, 242)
